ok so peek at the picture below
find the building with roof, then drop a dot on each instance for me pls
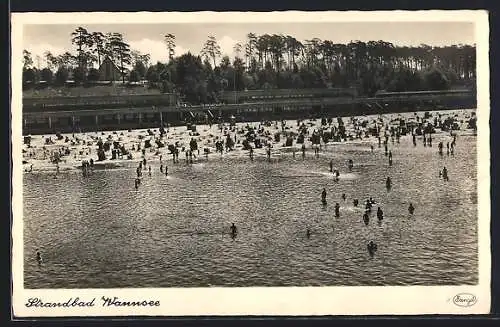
(108, 71)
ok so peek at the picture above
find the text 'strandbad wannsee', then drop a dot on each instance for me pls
(103, 301)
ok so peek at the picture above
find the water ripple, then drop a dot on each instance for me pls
(174, 231)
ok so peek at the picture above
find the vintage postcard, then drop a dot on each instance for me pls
(250, 163)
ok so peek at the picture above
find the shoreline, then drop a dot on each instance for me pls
(74, 148)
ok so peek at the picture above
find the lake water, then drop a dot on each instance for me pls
(100, 232)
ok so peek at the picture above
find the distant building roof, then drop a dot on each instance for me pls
(109, 71)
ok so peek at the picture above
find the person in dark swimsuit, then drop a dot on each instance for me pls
(411, 209)
(380, 214)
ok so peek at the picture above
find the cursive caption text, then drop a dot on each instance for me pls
(103, 301)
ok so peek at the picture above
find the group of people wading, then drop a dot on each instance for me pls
(372, 247)
(87, 167)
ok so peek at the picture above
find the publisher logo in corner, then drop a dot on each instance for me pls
(464, 300)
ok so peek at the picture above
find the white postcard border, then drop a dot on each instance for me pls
(400, 300)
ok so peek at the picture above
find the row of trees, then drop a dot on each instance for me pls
(91, 49)
(273, 61)
(285, 52)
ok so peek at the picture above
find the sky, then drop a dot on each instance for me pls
(149, 38)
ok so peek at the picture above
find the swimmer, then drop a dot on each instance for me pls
(366, 219)
(355, 202)
(161, 168)
(39, 257)
(234, 230)
(308, 233)
(445, 174)
(343, 196)
(411, 209)
(372, 247)
(368, 205)
(380, 214)
(388, 183)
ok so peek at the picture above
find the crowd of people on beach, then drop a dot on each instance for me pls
(250, 138)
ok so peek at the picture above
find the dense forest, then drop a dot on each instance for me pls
(261, 62)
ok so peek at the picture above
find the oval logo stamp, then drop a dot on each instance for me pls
(464, 300)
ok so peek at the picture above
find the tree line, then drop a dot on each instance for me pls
(266, 62)
(91, 48)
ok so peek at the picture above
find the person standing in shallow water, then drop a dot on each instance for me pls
(337, 210)
(372, 248)
(39, 257)
(234, 230)
(323, 195)
(411, 209)
(380, 214)
(368, 206)
(445, 174)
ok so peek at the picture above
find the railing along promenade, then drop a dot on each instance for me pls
(47, 115)
(103, 109)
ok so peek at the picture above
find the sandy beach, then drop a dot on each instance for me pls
(38, 155)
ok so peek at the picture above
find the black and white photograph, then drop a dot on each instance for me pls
(271, 153)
